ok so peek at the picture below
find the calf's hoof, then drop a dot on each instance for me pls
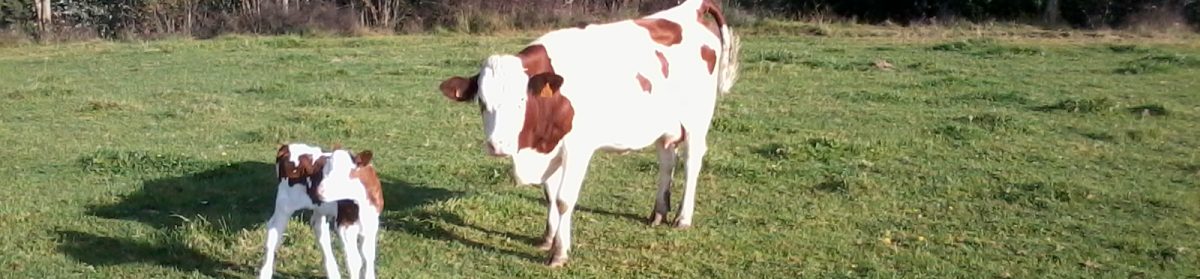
(683, 225)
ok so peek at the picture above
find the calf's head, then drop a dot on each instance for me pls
(338, 181)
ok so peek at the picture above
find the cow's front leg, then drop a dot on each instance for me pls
(575, 166)
(551, 217)
(550, 192)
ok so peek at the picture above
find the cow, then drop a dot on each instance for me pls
(341, 190)
(615, 87)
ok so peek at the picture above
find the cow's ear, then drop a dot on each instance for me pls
(545, 84)
(459, 88)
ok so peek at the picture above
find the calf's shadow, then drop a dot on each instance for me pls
(231, 198)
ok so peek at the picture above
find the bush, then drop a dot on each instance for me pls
(271, 19)
(112, 18)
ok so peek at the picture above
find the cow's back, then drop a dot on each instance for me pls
(622, 83)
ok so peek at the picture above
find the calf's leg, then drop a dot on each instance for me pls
(276, 226)
(370, 230)
(320, 226)
(349, 234)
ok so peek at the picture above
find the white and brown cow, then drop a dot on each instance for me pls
(617, 86)
(341, 189)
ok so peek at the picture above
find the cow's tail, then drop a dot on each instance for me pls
(727, 71)
(729, 60)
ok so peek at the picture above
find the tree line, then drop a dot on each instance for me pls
(203, 18)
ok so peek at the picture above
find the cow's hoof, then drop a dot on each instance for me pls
(683, 225)
(655, 219)
(545, 245)
(557, 261)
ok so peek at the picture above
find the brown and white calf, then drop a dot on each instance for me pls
(341, 189)
(615, 87)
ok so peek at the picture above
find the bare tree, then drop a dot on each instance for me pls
(42, 7)
(1051, 13)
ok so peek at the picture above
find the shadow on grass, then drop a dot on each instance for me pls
(100, 250)
(232, 197)
(240, 195)
(628, 216)
(439, 226)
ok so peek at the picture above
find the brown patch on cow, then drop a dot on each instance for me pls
(548, 114)
(365, 172)
(711, 8)
(347, 213)
(581, 25)
(662, 31)
(535, 60)
(644, 82)
(663, 60)
(710, 56)
(459, 88)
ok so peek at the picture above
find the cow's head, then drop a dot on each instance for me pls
(522, 110)
(524, 113)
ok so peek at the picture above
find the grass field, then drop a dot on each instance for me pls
(835, 156)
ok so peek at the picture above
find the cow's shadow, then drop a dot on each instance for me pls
(231, 198)
(440, 225)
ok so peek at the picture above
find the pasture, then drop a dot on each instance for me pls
(834, 156)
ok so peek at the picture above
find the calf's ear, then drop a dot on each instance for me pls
(460, 89)
(363, 158)
(319, 165)
(306, 166)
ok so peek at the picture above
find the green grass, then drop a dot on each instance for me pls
(966, 158)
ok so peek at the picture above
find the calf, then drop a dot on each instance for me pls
(304, 173)
(350, 181)
(617, 86)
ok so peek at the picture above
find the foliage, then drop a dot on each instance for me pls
(113, 18)
(16, 12)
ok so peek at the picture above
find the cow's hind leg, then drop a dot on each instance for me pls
(666, 170)
(694, 157)
(695, 146)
